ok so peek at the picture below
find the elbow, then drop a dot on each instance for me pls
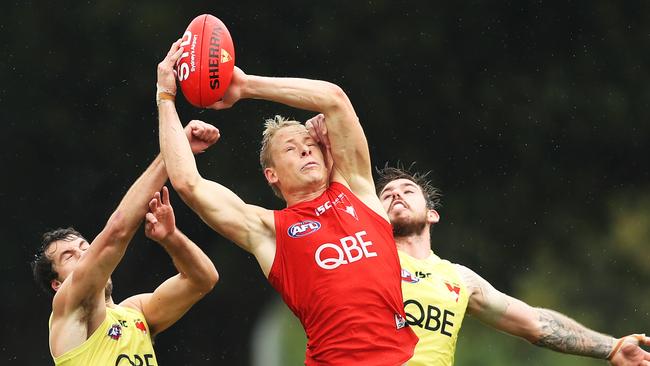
(185, 185)
(117, 228)
(212, 279)
(334, 98)
(207, 281)
(338, 96)
(535, 333)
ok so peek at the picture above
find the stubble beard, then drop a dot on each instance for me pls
(409, 227)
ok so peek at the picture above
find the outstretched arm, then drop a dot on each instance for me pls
(78, 307)
(349, 146)
(250, 227)
(196, 273)
(89, 278)
(543, 327)
(85, 286)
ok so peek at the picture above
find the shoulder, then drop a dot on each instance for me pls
(469, 278)
(364, 193)
(134, 303)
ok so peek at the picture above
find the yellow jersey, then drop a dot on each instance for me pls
(435, 300)
(123, 339)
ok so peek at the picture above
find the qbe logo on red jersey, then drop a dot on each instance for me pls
(303, 228)
(349, 249)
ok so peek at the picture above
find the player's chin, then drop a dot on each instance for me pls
(399, 218)
(313, 178)
(313, 173)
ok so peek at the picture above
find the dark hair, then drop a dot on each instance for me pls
(42, 264)
(388, 174)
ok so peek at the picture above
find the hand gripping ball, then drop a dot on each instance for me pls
(206, 65)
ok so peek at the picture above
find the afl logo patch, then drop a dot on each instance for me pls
(115, 332)
(303, 228)
(408, 277)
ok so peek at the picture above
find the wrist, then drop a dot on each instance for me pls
(164, 94)
(170, 239)
(249, 87)
(616, 345)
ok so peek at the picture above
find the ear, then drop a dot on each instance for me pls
(56, 284)
(270, 175)
(432, 216)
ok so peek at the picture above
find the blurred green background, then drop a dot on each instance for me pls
(533, 117)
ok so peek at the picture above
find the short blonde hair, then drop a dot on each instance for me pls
(271, 126)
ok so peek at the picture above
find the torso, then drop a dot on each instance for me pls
(435, 301)
(123, 338)
(336, 267)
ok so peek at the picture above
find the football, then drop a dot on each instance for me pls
(205, 67)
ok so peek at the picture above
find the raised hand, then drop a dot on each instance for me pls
(318, 131)
(166, 74)
(160, 221)
(234, 92)
(201, 135)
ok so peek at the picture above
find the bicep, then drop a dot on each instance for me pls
(497, 309)
(167, 304)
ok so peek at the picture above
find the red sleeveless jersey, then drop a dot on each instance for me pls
(336, 267)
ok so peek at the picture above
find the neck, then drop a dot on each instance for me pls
(417, 245)
(296, 197)
(109, 302)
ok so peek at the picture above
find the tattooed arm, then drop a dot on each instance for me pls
(543, 327)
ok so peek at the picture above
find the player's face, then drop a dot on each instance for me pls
(65, 255)
(403, 198)
(298, 161)
(407, 208)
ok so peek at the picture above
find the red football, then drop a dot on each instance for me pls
(205, 67)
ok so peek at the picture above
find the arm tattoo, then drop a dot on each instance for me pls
(565, 335)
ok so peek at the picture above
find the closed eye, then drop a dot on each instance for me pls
(66, 255)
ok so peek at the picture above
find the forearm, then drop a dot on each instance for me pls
(190, 261)
(562, 334)
(133, 207)
(109, 246)
(175, 148)
(307, 94)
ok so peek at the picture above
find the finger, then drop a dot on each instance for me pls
(151, 218)
(220, 105)
(165, 196)
(323, 125)
(153, 204)
(196, 122)
(207, 133)
(215, 135)
(312, 131)
(211, 136)
(197, 130)
(176, 56)
(645, 340)
(174, 47)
